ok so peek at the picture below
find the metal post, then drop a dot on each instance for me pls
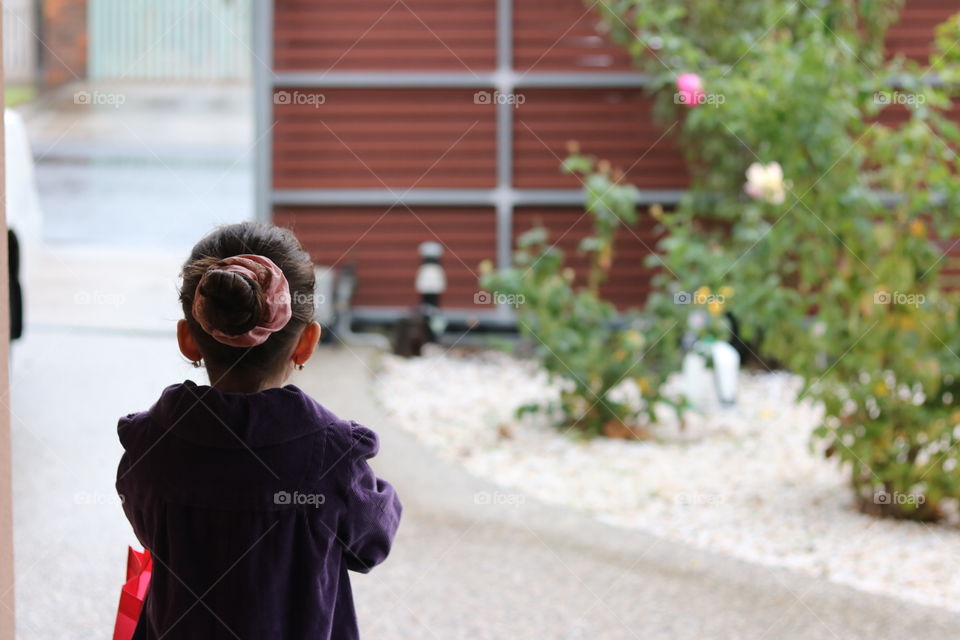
(264, 82)
(505, 86)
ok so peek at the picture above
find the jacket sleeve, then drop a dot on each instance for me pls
(130, 498)
(372, 506)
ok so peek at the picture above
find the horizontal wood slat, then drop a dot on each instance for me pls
(629, 282)
(913, 34)
(555, 35)
(376, 138)
(382, 243)
(613, 124)
(549, 35)
(324, 35)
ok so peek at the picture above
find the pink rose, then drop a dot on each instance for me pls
(689, 89)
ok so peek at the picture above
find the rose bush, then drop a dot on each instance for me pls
(610, 367)
(824, 192)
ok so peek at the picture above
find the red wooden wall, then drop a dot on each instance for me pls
(432, 138)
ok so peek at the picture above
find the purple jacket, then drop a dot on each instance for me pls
(254, 506)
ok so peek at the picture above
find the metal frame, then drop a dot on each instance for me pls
(455, 197)
(498, 79)
(503, 197)
(264, 82)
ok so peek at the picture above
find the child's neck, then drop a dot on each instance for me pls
(230, 382)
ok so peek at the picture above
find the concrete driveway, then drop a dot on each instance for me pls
(472, 560)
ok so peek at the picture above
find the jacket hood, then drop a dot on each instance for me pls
(208, 417)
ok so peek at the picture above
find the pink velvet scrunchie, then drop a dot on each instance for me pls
(276, 292)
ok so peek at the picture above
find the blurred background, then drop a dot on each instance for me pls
(384, 124)
(410, 144)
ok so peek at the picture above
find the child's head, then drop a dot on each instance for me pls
(247, 297)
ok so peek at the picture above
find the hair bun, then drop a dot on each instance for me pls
(242, 300)
(234, 302)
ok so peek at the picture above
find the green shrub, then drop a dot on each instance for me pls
(839, 284)
(579, 337)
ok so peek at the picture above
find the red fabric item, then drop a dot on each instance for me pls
(133, 593)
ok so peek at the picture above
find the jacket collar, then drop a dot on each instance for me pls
(208, 417)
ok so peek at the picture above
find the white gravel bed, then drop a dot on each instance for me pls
(744, 481)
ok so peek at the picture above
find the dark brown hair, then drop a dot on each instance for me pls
(235, 303)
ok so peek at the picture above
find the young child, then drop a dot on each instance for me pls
(253, 499)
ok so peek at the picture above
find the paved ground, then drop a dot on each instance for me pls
(460, 569)
(100, 344)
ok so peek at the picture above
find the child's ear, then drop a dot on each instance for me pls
(188, 346)
(307, 343)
